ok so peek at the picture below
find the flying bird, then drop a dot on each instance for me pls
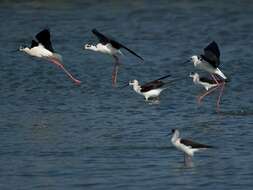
(210, 61)
(42, 48)
(111, 47)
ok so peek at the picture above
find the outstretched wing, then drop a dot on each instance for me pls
(151, 85)
(101, 37)
(43, 37)
(105, 40)
(212, 54)
(34, 44)
(193, 144)
(119, 45)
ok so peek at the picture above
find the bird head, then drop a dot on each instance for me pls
(194, 59)
(90, 47)
(193, 75)
(174, 131)
(24, 49)
(175, 134)
(133, 83)
(87, 46)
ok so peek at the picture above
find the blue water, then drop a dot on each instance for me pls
(56, 135)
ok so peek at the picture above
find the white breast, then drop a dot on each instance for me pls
(153, 93)
(107, 49)
(187, 150)
(39, 51)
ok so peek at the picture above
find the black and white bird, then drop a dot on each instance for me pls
(203, 81)
(210, 86)
(209, 61)
(42, 48)
(151, 90)
(188, 147)
(111, 47)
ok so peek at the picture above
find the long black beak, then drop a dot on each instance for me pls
(187, 61)
(124, 86)
(191, 74)
(164, 77)
(14, 51)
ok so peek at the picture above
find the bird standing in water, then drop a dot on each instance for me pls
(210, 61)
(188, 147)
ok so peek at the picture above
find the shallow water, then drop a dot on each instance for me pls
(56, 135)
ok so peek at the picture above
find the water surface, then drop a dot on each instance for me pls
(56, 135)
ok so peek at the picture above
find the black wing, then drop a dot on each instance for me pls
(105, 40)
(164, 77)
(117, 44)
(212, 54)
(207, 80)
(151, 85)
(194, 144)
(154, 84)
(101, 37)
(43, 37)
(34, 44)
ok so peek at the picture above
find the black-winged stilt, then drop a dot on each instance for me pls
(109, 46)
(42, 48)
(151, 90)
(209, 84)
(210, 61)
(188, 147)
(203, 81)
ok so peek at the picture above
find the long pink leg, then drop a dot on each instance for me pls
(63, 68)
(220, 95)
(115, 74)
(214, 78)
(206, 93)
(115, 71)
(222, 84)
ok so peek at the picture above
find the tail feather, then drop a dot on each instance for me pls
(218, 72)
(167, 84)
(57, 57)
(174, 80)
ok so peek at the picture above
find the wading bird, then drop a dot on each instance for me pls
(210, 61)
(188, 147)
(152, 89)
(210, 85)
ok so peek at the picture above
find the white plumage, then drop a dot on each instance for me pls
(196, 79)
(42, 48)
